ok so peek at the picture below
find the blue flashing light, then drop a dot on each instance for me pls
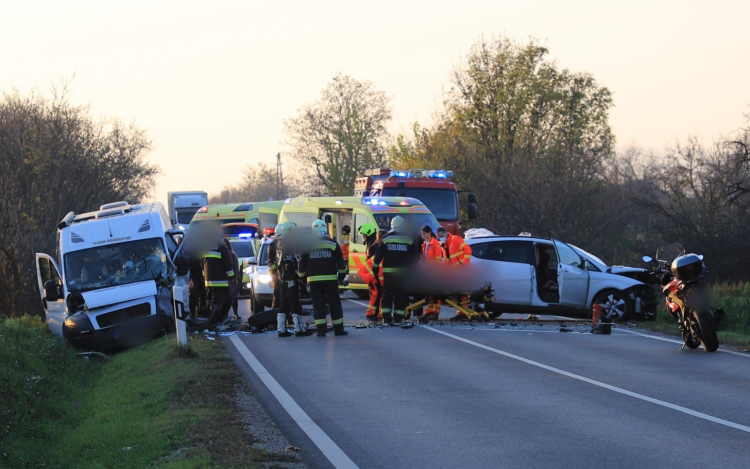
(374, 201)
(400, 174)
(245, 235)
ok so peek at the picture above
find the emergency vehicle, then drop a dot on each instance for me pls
(263, 214)
(354, 212)
(435, 188)
(183, 205)
(110, 283)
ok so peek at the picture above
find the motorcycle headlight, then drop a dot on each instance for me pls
(264, 278)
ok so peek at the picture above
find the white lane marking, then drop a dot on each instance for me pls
(338, 458)
(358, 302)
(679, 342)
(668, 405)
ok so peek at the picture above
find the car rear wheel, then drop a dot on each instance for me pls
(615, 305)
(362, 294)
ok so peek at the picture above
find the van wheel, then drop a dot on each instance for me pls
(615, 305)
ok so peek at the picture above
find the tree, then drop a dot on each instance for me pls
(54, 158)
(341, 134)
(532, 140)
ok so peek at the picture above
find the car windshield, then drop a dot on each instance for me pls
(263, 256)
(118, 264)
(414, 221)
(242, 247)
(592, 258)
(443, 203)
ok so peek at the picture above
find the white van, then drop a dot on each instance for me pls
(110, 284)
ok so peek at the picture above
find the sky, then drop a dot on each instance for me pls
(213, 82)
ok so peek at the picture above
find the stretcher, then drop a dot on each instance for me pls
(453, 298)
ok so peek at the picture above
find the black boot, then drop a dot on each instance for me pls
(398, 318)
(322, 329)
(387, 318)
(338, 329)
(303, 333)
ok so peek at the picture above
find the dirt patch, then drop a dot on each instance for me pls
(264, 433)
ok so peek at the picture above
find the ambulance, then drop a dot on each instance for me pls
(263, 214)
(354, 212)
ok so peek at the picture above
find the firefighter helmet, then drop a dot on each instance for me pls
(319, 227)
(367, 229)
(279, 230)
(397, 223)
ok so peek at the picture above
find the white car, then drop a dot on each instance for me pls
(548, 276)
(258, 284)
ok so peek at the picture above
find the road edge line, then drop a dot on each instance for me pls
(609, 387)
(678, 342)
(325, 444)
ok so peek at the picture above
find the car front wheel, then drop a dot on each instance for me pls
(615, 305)
(255, 305)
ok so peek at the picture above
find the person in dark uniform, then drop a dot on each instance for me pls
(395, 254)
(217, 272)
(273, 264)
(235, 282)
(322, 266)
(287, 251)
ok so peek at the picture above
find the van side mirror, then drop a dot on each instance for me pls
(52, 290)
(328, 219)
(473, 212)
(472, 198)
(182, 263)
(176, 235)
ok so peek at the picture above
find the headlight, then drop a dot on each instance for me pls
(248, 269)
(264, 278)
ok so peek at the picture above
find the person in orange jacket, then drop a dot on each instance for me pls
(371, 240)
(457, 252)
(432, 251)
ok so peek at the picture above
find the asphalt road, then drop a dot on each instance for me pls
(456, 396)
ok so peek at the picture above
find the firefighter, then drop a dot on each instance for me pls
(273, 267)
(457, 253)
(217, 272)
(432, 251)
(322, 266)
(287, 251)
(394, 255)
(368, 230)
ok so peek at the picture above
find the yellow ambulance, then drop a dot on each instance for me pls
(263, 214)
(354, 212)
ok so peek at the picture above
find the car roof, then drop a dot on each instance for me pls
(508, 238)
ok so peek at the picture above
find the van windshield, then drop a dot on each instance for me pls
(414, 222)
(443, 203)
(117, 264)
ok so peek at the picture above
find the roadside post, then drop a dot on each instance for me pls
(179, 316)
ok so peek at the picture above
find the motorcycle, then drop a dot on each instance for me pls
(688, 296)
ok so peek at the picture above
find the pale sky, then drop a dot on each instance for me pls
(212, 82)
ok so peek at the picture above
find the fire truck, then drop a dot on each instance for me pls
(434, 188)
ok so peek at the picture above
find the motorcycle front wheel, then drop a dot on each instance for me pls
(709, 338)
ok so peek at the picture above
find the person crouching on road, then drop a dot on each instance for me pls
(323, 266)
(395, 254)
(287, 250)
(432, 251)
(457, 253)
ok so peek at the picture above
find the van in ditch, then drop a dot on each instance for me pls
(354, 212)
(110, 283)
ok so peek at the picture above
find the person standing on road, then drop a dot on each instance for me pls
(432, 252)
(371, 239)
(457, 253)
(322, 266)
(395, 254)
(273, 264)
(217, 272)
(287, 252)
(236, 281)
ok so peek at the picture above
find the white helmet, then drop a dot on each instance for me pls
(397, 222)
(320, 228)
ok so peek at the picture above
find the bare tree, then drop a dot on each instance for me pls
(341, 134)
(54, 157)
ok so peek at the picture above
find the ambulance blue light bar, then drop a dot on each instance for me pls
(401, 174)
(406, 201)
(440, 174)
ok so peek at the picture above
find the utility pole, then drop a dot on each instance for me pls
(279, 178)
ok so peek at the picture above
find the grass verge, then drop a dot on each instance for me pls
(735, 299)
(156, 406)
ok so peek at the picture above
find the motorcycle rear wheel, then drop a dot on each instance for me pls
(709, 338)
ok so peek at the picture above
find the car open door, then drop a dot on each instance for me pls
(572, 276)
(51, 292)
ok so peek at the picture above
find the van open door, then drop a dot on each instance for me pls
(51, 291)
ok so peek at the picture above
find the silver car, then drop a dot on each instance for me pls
(258, 279)
(548, 276)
